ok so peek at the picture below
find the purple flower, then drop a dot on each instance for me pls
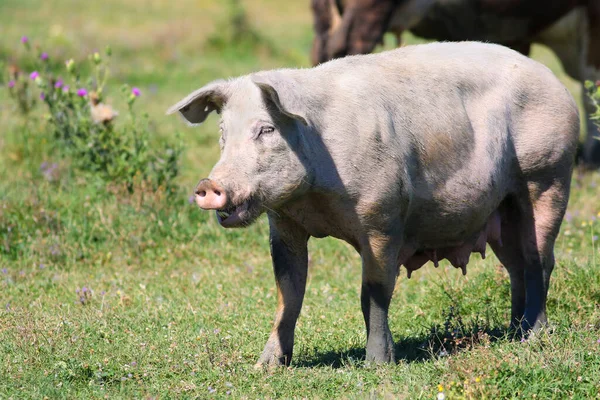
(136, 92)
(49, 172)
(66, 88)
(568, 216)
(192, 199)
(58, 84)
(42, 266)
(133, 363)
(77, 291)
(34, 75)
(81, 92)
(42, 96)
(102, 293)
(11, 84)
(4, 271)
(24, 39)
(594, 238)
(44, 56)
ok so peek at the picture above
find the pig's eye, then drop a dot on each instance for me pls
(266, 130)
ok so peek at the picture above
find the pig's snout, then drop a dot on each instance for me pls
(210, 196)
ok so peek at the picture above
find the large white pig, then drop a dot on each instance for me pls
(416, 154)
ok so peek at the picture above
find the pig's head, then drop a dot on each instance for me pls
(262, 146)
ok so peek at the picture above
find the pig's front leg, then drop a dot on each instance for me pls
(290, 263)
(379, 278)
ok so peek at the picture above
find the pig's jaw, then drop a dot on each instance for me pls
(241, 215)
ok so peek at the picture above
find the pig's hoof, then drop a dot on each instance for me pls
(380, 351)
(270, 362)
(375, 359)
(538, 330)
(272, 356)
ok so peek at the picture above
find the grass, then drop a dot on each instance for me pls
(176, 307)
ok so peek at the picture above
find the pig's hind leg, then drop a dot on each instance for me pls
(549, 203)
(529, 227)
(509, 251)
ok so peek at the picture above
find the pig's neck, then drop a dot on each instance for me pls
(326, 214)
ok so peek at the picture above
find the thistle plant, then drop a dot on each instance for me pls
(83, 124)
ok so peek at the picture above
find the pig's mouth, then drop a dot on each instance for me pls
(238, 215)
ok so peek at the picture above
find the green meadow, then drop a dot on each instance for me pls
(115, 292)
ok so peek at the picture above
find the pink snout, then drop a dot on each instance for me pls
(210, 196)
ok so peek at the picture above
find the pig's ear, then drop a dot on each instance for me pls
(197, 105)
(283, 92)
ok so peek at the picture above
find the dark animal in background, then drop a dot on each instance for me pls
(571, 28)
(412, 155)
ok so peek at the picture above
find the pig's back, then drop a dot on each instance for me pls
(448, 104)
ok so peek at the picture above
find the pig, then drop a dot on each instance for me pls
(418, 154)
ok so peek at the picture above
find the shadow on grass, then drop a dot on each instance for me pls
(417, 349)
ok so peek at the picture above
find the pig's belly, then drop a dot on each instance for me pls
(450, 228)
